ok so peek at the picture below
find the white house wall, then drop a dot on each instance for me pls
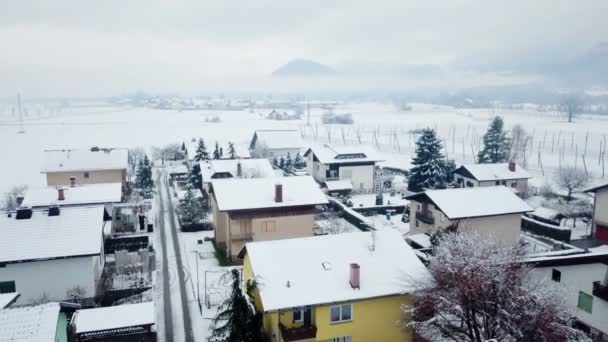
(600, 212)
(53, 278)
(362, 176)
(577, 278)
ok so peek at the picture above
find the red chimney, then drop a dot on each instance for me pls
(355, 276)
(278, 193)
(239, 170)
(72, 181)
(512, 166)
(60, 194)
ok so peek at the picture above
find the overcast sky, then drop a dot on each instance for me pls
(84, 48)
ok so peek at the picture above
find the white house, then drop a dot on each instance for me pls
(327, 164)
(600, 212)
(491, 211)
(271, 143)
(46, 252)
(68, 167)
(508, 174)
(235, 168)
(584, 278)
(38, 323)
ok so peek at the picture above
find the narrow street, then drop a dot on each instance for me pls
(176, 313)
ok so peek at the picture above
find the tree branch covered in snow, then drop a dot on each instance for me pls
(571, 180)
(10, 200)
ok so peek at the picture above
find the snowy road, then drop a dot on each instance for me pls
(177, 321)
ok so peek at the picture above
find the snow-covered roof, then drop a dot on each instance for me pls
(29, 324)
(256, 193)
(250, 168)
(278, 139)
(81, 194)
(475, 202)
(7, 299)
(422, 240)
(498, 171)
(178, 169)
(114, 317)
(597, 188)
(315, 270)
(339, 185)
(547, 213)
(76, 231)
(85, 160)
(327, 154)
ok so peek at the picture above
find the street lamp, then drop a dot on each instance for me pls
(198, 291)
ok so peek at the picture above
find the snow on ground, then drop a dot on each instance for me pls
(369, 200)
(381, 222)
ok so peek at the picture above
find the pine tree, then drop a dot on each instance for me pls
(144, 182)
(495, 143)
(298, 162)
(237, 320)
(288, 163)
(231, 151)
(282, 162)
(216, 152)
(195, 177)
(190, 209)
(429, 171)
(201, 151)
(275, 162)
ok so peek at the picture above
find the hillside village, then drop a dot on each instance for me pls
(290, 239)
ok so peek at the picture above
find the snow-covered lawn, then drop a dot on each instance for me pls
(369, 200)
(380, 222)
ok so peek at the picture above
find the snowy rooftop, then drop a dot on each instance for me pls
(114, 317)
(339, 185)
(327, 154)
(84, 160)
(499, 171)
(256, 193)
(596, 188)
(75, 231)
(475, 202)
(7, 299)
(29, 324)
(82, 194)
(422, 240)
(250, 168)
(322, 276)
(547, 213)
(278, 139)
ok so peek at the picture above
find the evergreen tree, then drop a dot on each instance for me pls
(221, 152)
(282, 162)
(288, 163)
(495, 143)
(298, 162)
(237, 320)
(216, 151)
(195, 177)
(275, 162)
(429, 171)
(231, 150)
(190, 208)
(201, 151)
(144, 182)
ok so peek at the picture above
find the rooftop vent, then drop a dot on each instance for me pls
(72, 181)
(326, 265)
(24, 213)
(512, 166)
(60, 194)
(355, 275)
(54, 210)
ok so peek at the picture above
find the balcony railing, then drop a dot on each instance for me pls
(329, 179)
(600, 291)
(300, 333)
(425, 217)
(241, 236)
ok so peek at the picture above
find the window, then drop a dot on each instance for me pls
(86, 175)
(269, 227)
(342, 339)
(298, 315)
(585, 302)
(514, 185)
(7, 286)
(245, 226)
(504, 182)
(341, 313)
(556, 275)
(497, 182)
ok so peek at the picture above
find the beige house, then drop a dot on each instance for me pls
(275, 143)
(234, 168)
(72, 167)
(490, 211)
(508, 174)
(259, 209)
(600, 212)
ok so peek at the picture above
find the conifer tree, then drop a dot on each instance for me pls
(282, 162)
(190, 208)
(231, 150)
(495, 143)
(429, 171)
(288, 163)
(195, 177)
(144, 182)
(298, 162)
(216, 151)
(237, 320)
(201, 151)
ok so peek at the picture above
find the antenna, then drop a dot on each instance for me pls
(21, 128)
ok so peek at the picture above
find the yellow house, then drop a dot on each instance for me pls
(337, 288)
(259, 209)
(76, 167)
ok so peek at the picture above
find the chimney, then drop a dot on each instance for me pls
(512, 166)
(60, 194)
(54, 210)
(239, 170)
(24, 213)
(355, 276)
(72, 181)
(278, 193)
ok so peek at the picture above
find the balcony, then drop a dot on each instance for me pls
(241, 236)
(297, 334)
(600, 291)
(425, 217)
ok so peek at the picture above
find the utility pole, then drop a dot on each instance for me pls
(308, 118)
(21, 128)
(198, 288)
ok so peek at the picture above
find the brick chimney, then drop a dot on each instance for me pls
(239, 170)
(512, 166)
(72, 181)
(355, 276)
(278, 193)
(60, 194)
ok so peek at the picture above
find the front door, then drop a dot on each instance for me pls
(308, 316)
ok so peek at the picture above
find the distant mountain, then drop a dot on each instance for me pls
(303, 68)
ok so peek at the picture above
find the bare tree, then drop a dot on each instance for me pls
(170, 151)
(135, 155)
(10, 201)
(260, 150)
(519, 140)
(481, 291)
(571, 180)
(570, 106)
